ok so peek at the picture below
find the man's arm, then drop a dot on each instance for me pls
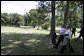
(61, 31)
(66, 34)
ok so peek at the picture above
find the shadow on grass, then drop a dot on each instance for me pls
(33, 44)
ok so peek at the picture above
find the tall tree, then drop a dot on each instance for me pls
(43, 10)
(53, 34)
(66, 12)
(26, 17)
(53, 18)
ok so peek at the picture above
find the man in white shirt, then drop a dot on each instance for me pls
(66, 41)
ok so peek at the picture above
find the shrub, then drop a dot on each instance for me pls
(46, 25)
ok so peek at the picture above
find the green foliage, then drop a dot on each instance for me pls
(39, 16)
(5, 19)
(46, 25)
(17, 20)
(75, 8)
(27, 19)
(2, 21)
(13, 19)
(34, 17)
(44, 6)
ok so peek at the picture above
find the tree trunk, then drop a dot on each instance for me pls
(53, 18)
(25, 22)
(53, 34)
(75, 18)
(66, 12)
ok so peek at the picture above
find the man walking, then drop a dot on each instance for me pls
(61, 37)
(66, 41)
(73, 30)
(81, 34)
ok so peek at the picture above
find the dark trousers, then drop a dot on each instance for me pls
(81, 35)
(64, 47)
(61, 37)
(73, 33)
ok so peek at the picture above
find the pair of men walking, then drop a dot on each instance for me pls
(65, 36)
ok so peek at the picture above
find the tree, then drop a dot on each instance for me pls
(66, 13)
(69, 12)
(53, 18)
(74, 10)
(5, 18)
(53, 34)
(27, 19)
(16, 19)
(43, 11)
(2, 21)
(34, 17)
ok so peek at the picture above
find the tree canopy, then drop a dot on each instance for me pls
(42, 15)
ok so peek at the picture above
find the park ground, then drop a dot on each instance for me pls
(30, 41)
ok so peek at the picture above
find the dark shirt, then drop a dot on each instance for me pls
(81, 31)
(73, 29)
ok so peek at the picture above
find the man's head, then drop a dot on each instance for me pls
(67, 27)
(63, 26)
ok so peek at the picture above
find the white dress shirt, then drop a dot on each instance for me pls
(68, 32)
(66, 38)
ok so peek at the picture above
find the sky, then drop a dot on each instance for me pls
(20, 7)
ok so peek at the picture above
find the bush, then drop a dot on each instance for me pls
(18, 24)
(46, 25)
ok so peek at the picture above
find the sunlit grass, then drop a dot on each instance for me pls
(22, 30)
(27, 30)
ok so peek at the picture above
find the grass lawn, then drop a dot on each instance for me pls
(29, 41)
